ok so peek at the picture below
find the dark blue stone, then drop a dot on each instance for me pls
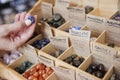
(32, 19)
(76, 28)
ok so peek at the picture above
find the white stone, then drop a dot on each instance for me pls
(28, 22)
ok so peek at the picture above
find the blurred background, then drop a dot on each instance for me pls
(9, 8)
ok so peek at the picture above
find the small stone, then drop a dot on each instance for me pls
(76, 63)
(89, 70)
(99, 74)
(76, 28)
(73, 56)
(111, 45)
(40, 43)
(57, 17)
(44, 19)
(101, 67)
(81, 59)
(93, 67)
(30, 21)
(68, 60)
(72, 63)
(56, 21)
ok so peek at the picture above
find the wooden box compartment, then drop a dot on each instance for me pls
(9, 74)
(59, 33)
(60, 62)
(103, 45)
(10, 57)
(81, 73)
(38, 71)
(21, 60)
(96, 20)
(77, 12)
(50, 48)
(39, 37)
(36, 10)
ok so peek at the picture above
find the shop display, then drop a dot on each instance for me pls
(40, 43)
(38, 72)
(98, 46)
(30, 20)
(56, 21)
(57, 53)
(23, 67)
(9, 58)
(96, 70)
(74, 60)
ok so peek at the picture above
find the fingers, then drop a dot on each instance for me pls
(22, 16)
(17, 17)
(27, 15)
(24, 36)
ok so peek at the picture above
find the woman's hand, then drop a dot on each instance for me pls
(14, 35)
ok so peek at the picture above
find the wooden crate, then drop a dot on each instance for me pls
(82, 75)
(96, 20)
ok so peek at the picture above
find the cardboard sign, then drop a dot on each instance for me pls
(30, 53)
(61, 8)
(64, 74)
(104, 54)
(46, 61)
(113, 32)
(60, 42)
(77, 16)
(47, 31)
(80, 42)
(46, 9)
(77, 1)
(62, 3)
(96, 24)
